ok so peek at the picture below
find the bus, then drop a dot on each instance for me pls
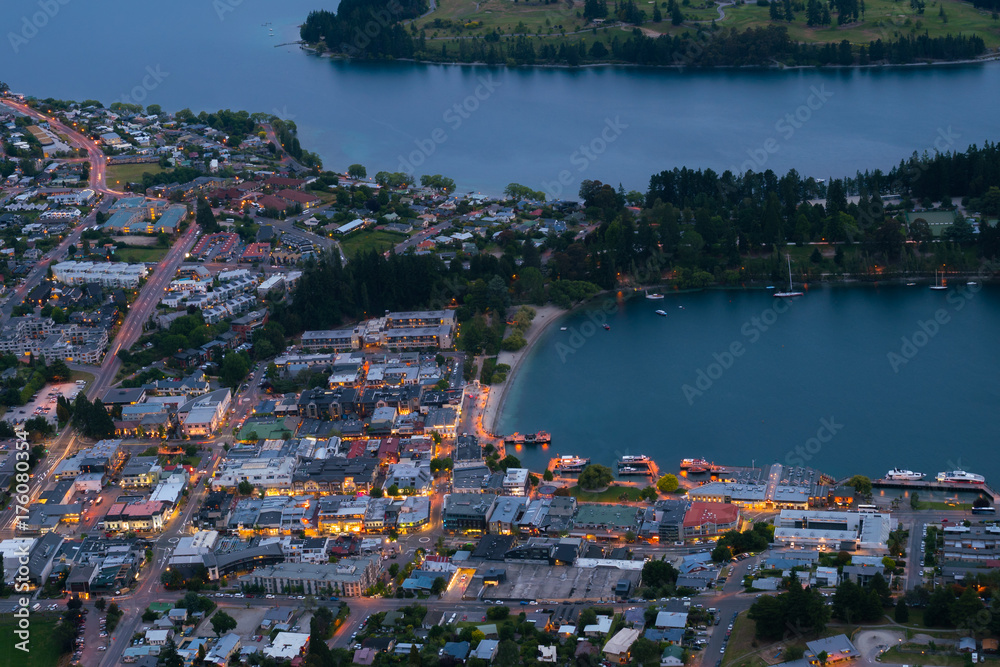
(867, 509)
(989, 509)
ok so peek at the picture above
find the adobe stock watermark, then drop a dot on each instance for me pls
(32, 23)
(752, 330)
(585, 155)
(150, 82)
(223, 7)
(925, 330)
(802, 454)
(454, 117)
(785, 127)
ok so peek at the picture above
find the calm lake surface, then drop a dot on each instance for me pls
(521, 125)
(824, 361)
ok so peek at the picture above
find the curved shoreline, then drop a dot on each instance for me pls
(990, 58)
(544, 318)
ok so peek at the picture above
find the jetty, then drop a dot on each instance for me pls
(934, 485)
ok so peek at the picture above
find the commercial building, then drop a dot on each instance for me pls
(262, 473)
(836, 531)
(467, 512)
(349, 577)
(710, 519)
(41, 336)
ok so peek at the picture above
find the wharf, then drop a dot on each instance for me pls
(917, 485)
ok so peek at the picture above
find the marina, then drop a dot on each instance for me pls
(947, 487)
(518, 439)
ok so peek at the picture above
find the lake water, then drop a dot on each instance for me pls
(545, 128)
(671, 387)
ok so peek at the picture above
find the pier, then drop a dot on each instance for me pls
(918, 485)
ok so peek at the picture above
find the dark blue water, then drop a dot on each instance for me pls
(824, 362)
(532, 126)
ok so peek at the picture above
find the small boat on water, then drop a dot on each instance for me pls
(654, 295)
(937, 282)
(563, 328)
(607, 327)
(790, 292)
(661, 313)
(910, 284)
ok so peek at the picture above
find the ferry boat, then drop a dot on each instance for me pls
(687, 464)
(540, 438)
(906, 475)
(960, 476)
(633, 460)
(570, 464)
(661, 313)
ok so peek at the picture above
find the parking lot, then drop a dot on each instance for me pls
(543, 582)
(44, 402)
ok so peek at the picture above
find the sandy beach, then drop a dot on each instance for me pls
(545, 316)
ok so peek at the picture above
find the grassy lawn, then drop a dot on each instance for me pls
(883, 19)
(133, 255)
(740, 646)
(42, 652)
(120, 174)
(609, 495)
(80, 375)
(895, 656)
(364, 241)
(939, 505)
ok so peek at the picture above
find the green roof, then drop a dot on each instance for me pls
(268, 430)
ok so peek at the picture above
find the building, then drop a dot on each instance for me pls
(139, 516)
(710, 519)
(287, 646)
(106, 274)
(349, 577)
(837, 648)
(339, 340)
(223, 649)
(467, 512)
(617, 648)
(836, 531)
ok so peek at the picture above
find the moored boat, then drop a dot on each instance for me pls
(960, 477)
(661, 313)
(570, 464)
(904, 475)
(687, 463)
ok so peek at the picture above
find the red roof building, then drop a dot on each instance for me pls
(304, 199)
(281, 183)
(256, 252)
(709, 519)
(270, 201)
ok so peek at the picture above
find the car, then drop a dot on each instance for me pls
(722, 650)
(269, 596)
(102, 648)
(104, 634)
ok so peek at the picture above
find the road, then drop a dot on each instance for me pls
(98, 162)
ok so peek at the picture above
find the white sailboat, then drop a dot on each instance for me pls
(790, 291)
(937, 282)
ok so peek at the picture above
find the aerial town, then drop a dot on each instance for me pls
(187, 485)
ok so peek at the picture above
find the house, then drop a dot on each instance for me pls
(547, 654)
(966, 644)
(837, 648)
(601, 628)
(671, 619)
(458, 651)
(224, 647)
(158, 637)
(363, 656)
(672, 656)
(487, 650)
(617, 648)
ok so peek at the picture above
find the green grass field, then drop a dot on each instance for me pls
(883, 19)
(609, 495)
(120, 174)
(41, 652)
(133, 255)
(370, 240)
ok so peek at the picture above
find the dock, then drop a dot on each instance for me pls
(918, 485)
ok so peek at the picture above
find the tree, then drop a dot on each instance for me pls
(645, 652)
(357, 171)
(235, 366)
(205, 218)
(547, 475)
(595, 476)
(668, 483)
(508, 652)
(245, 488)
(498, 613)
(100, 604)
(438, 586)
(902, 613)
(862, 485)
(222, 622)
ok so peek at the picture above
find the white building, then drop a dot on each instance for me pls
(107, 274)
(833, 531)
